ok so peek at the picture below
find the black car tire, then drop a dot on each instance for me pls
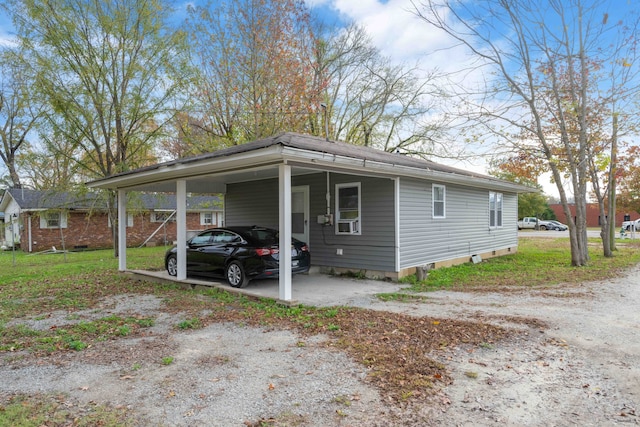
(172, 265)
(235, 275)
(543, 227)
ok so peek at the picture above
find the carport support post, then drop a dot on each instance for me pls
(284, 181)
(181, 226)
(122, 230)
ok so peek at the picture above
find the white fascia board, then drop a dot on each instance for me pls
(192, 168)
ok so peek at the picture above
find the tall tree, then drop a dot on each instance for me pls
(540, 55)
(18, 111)
(256, 75)
(373, 102)
(110, 72)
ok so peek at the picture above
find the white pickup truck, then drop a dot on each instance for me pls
(527, 222)
(631, 225)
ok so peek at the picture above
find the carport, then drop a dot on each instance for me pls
(210, 174)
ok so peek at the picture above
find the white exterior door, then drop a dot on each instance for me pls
(300, 213)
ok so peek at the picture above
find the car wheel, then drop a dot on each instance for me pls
(172, 265)
(236, 276)
(543, 227)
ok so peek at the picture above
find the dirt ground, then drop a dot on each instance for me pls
(576, 363)
(581, 367)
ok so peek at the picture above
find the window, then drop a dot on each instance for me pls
(52, 219)
(206, 218)
(202, 238)
(348, 208)
(438, 199)
(162, 216)
(495, 209)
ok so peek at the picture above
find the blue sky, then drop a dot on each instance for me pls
(397, 32)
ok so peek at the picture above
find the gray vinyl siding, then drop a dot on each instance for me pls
(423, 239)
(256, 203)
(252, 203)
(463, 232)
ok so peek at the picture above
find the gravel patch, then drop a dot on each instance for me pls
(576, 363)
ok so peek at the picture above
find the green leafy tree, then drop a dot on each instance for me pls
(111, 74)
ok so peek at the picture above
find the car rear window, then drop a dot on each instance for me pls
(264, 236)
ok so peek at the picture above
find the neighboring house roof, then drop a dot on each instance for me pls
(49, 199)
(311, 150)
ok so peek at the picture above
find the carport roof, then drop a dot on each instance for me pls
(304, 152)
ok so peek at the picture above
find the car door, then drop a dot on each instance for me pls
(215, 255)
(196, 252)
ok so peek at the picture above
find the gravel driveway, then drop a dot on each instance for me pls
(576, 365)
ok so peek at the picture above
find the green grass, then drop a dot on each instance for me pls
(50, 410)
(49, 282)
(37, 285)
(538, 262)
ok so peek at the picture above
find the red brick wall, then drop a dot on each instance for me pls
(94, 231)
(593, 214)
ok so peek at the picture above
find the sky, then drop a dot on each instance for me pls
(395, 30)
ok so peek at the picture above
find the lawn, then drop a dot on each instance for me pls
(394, 347)
(538, 262)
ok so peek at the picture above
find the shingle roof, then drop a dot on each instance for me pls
(50, 199)
(321, 145)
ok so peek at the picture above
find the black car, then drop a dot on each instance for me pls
(238, 254)
(553, 225)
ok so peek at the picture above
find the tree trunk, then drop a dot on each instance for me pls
(612, 183)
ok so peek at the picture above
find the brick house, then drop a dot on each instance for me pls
(38, 220)
(593, 214)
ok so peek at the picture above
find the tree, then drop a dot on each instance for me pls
(541, 57)
(255, 61)
(109, 72)
(372, 102)
(18, 111)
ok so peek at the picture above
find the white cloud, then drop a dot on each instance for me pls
(394, 28)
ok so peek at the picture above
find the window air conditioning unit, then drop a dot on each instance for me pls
(348, 226)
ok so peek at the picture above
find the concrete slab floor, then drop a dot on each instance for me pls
(308, 289)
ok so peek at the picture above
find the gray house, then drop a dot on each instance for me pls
(359, 209)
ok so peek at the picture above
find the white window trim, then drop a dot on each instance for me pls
(495, 209)
(433, 201)
(357, 222)
(62, 216)
(203, 215)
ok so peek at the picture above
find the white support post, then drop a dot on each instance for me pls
(284, 181)
(396, 213)
(122, 230)
(181, 226)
